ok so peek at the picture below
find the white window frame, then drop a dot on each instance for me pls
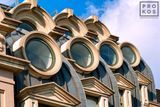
(103, 102)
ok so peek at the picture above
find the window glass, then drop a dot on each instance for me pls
(108, 54)
(81, 54)
(92, 101)
(40, 54)
(26, 26)
(128, 54)
(43, 105)
(121, 92)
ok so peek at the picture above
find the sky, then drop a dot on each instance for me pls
(123, 20)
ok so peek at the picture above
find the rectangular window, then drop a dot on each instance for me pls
(140, 87)
(121, 92)
(44, 105)
(92, 101)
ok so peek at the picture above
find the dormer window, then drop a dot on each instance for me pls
(125, 87)
(40, 54)
(143, 90)
(82, 54)
(129, 54)
(97, 93)
(111, 53)
(108, 54)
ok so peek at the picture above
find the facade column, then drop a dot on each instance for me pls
(103, 102)
(127, 98)
(144, 95)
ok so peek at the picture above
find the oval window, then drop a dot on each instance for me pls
(129, 54)
(40, 54)
(82, 54)
(108, 54)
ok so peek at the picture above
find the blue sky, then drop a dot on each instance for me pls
(79, 6)
(123, 20)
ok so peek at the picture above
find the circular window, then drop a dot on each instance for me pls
(108, 54)
(82, 54)
(40, 54)
(129, 54)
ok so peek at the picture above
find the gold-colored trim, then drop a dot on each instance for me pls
(21, 43)
(136, 52)
(66, 48)
(94, 87)
(117, 51)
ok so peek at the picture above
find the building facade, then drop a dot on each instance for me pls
(63, 61)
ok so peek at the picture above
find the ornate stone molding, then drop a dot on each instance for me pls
(66, 47)
(13, 64)
(67, 19)
(30, 12)
(49, 94)
(94, 87)
(142, 79)
(123, 83)
(136, 52)
(98, 27)
(19, 51)
(117, 50)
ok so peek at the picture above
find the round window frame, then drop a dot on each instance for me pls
(117, 50)
(91, 48)
(53, 47)
(49, 48)
(134, 50)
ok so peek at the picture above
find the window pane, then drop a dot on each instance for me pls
(81, 54)
(40, 54)
(128, 54)
(121, 92)
(43, 105)
(92, 101)
(108, 54)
